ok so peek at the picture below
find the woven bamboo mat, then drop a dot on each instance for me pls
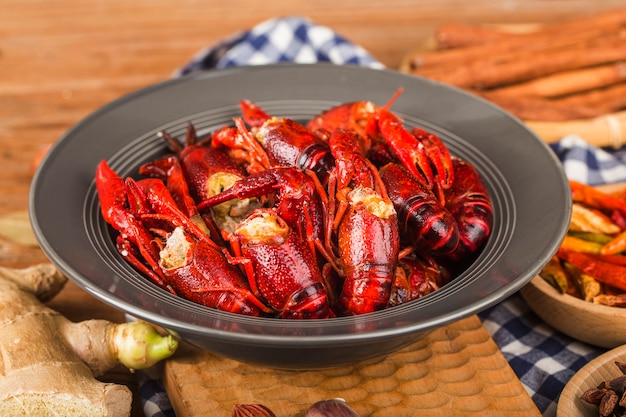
(456, 370)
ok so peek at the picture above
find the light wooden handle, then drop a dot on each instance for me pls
(603, 131)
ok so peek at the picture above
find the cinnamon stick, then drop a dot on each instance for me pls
(541, 109)
(492, 72)
(458, 34)
(587, 105)
(549, 38)
(569, 82)
(604, 100)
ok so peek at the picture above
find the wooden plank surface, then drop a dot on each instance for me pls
(456, 370)
(61, 60)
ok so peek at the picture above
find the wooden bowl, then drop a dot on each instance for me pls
(595, 324)
(602, 368)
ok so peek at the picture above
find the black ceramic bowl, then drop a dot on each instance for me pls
(529, 191)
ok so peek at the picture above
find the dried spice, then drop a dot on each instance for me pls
(591, 261)
(609, 395)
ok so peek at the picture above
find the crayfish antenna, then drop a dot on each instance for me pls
(172, 143)
(191, 136)
(393, 98)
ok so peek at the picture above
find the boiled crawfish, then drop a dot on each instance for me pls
(424, 222)
(384, 138)
(348, 213)
(419, 174)
(296, 194)
(287, 142)
(279, 244)
(416, 276)
(258, 237)
(279, 266)
(469, 203)
(179, 256)
(367, 228)
(196, 172)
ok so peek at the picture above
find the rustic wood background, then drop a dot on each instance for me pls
(60, 60)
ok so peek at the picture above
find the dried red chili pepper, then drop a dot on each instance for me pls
(605, 272)
(611, 259)
(593, 197)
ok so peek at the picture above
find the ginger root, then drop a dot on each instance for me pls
(49, 365)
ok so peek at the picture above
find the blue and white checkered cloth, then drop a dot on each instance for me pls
(288, 39)
(543, 359)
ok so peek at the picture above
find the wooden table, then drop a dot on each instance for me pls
(61, 60)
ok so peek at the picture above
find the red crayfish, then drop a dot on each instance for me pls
(427, 186)
(348, 213)
(180, 256)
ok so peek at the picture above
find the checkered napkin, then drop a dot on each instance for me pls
(288, 39)
(542, 358)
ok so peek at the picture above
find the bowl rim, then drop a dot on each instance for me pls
(343, 74)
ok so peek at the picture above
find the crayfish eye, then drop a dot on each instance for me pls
(372, 201)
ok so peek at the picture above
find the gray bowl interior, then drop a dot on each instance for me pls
(528, 188)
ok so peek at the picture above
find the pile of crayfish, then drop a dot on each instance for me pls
(348, 213)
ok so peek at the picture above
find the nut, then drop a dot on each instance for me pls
(251, 410)
(331, 408)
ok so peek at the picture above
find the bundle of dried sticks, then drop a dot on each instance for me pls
(557, 72)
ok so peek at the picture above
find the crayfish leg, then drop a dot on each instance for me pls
(155, 274)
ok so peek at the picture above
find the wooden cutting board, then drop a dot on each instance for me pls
(456, 370)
